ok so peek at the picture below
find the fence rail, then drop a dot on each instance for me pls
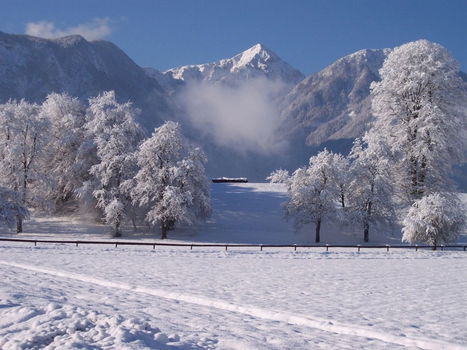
(227, 246)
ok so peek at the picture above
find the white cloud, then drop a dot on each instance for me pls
(98, 28)
(243, 117)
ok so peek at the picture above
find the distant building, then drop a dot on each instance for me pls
(230, 179)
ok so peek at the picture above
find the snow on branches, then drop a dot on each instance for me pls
(24, 136)
(116, 135)
(279, 176)
(171, 185)
(418, 116)
(370, 190)
(11, 207)
(67, 135)
(434, 219)
(61, 150)
(311, 195)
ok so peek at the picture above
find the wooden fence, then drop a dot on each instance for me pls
(227, 246)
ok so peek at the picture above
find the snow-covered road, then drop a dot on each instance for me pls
(98, 297)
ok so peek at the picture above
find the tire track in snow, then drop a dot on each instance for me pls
(326, 325)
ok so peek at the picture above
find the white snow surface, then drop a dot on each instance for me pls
(248, 213)
(57, 296)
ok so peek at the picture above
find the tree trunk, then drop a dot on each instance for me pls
(342, 200)
(19, 224)
(117, 232)
(164, 229)
(366, 231)
(414, 178)
(421, 180)
(366, 220)
(171, 225)
(318, 228)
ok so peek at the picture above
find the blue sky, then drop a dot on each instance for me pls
(309, 34)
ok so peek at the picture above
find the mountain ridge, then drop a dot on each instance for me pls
(33, 67)
(257, 61)
(335, 102)
(329, 107)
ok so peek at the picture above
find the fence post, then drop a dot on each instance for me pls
(387, 247)
(327, 247)
(191, 247)
(226, 248)
(153, 246)
(116, 244)
(261, 247)
(416, 247)
(76, 243)
(295, 247)
(358, 246)
(35, 243)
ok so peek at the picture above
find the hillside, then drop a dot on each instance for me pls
(334, 103)
(31, 68)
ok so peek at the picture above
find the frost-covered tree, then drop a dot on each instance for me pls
(370, 191)
(67, 137)
(11, 207)
(192, 177)
(172, 188)
(339, 168)
(418, 116)
(116, 136)
(24, 136)
(434, 219)
(279, 176)
(311, 195)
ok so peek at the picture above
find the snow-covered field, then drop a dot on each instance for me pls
(242, 213)
(63, 297)
(100, 297)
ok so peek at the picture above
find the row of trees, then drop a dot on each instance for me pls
(401, 167)
(356, 189)
(62, 150)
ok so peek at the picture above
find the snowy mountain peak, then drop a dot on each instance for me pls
(257, 51)
(257, 61)
(256, 48)
(256, 56)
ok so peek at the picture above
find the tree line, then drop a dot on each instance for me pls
(401, 168)
(99, 155)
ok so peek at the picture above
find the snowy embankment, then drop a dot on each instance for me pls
(61, 296)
